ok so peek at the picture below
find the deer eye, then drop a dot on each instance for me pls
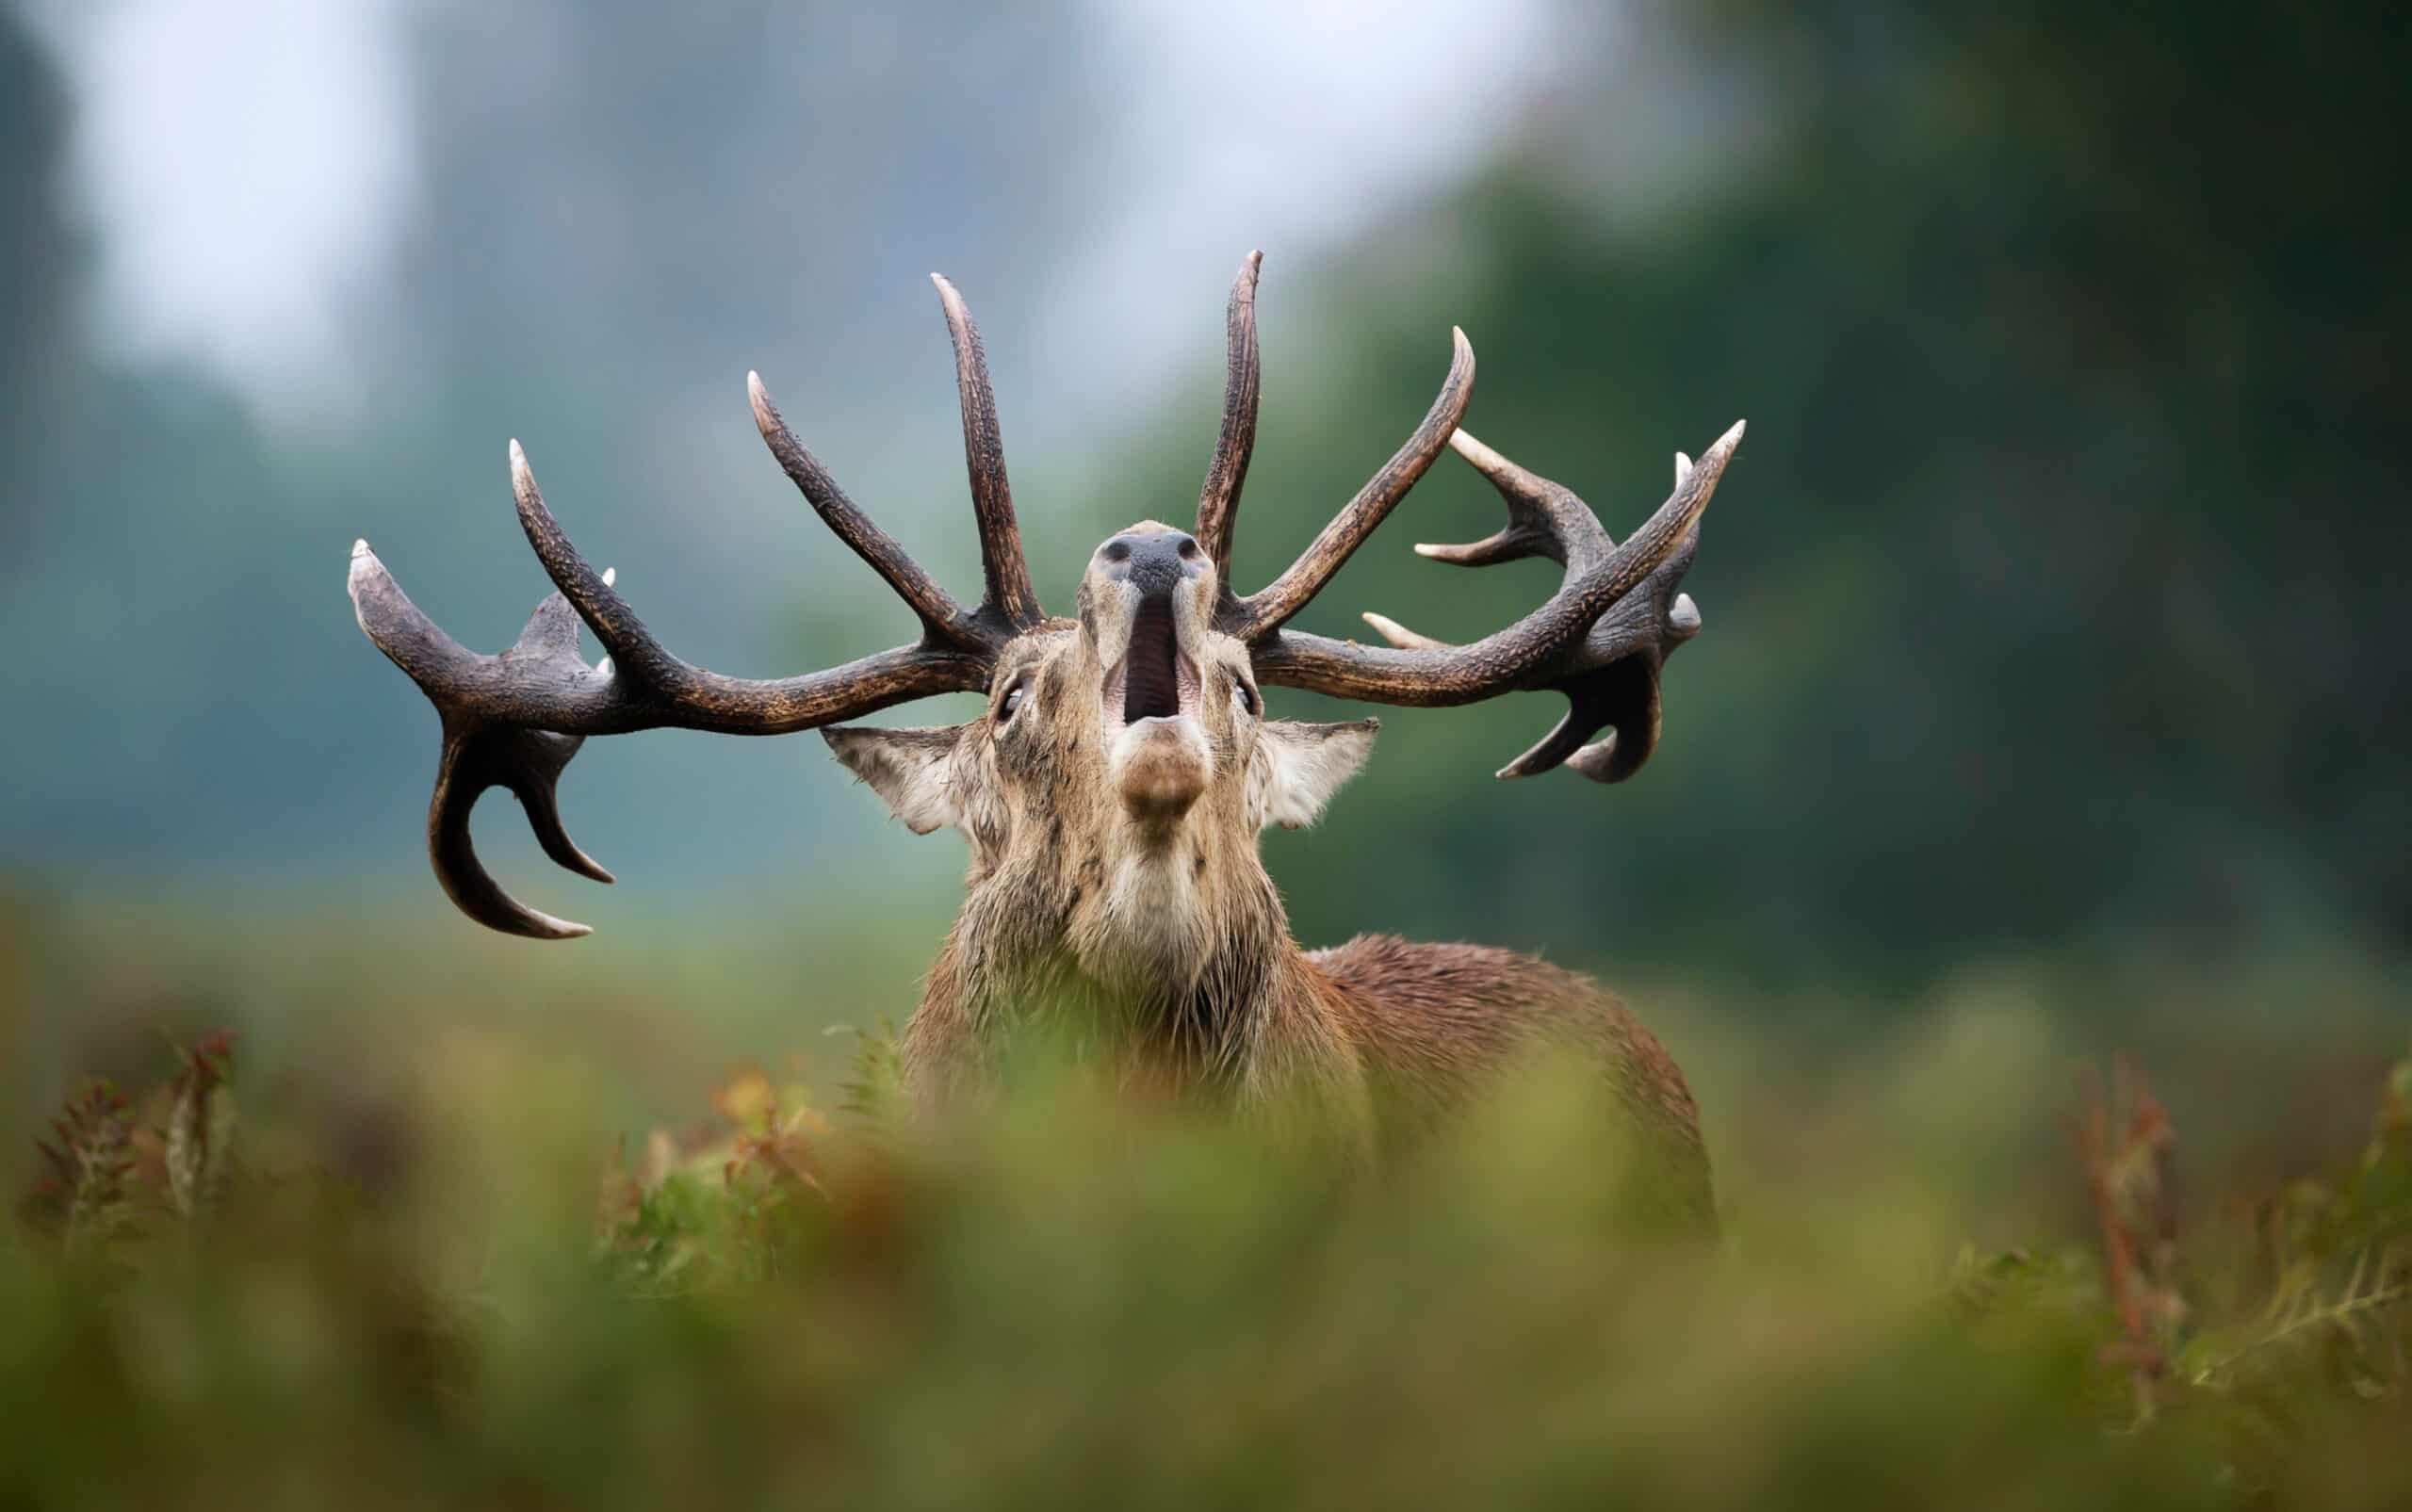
(1243, 697)
(1014, 697)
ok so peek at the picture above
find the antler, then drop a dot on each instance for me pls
(1600, 639)
(1264, 612)
(515, 719)
(1218, 502)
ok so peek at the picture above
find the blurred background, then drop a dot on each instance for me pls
(2055, 659)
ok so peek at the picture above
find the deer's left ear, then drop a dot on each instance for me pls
(916, 770)
(1299, 766)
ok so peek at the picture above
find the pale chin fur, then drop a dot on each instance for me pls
(1182, 734)
(1155, 930)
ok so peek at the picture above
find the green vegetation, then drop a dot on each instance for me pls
(1072, 1300)
(2050, 705)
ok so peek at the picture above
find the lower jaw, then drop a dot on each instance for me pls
(1158, 802)
(1160, 772)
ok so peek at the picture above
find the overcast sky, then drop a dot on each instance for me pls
(247, 198)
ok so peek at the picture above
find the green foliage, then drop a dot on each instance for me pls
(874, 1091)
(2339, 1257)
(1067, 1299)
(109, 1164)
(199, 1127)
(2038, 604)
(82, 1191)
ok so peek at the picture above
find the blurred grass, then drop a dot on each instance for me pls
(484, 1233)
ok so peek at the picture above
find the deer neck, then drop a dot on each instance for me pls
(1179, 952)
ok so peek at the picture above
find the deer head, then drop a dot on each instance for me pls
(1116, 781)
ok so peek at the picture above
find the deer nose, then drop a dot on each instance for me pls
(1153, 563)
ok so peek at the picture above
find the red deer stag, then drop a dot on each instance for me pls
(1113, 790)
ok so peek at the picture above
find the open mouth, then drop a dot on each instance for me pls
(1155, 681)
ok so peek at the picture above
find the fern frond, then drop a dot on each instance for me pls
(2346, 1312)
(81, 1194)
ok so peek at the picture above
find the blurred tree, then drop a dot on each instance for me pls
(2049, 603)
(151, 645)
(2052, 599)
(39, 257)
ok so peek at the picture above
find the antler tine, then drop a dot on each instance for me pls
(476, 756)
(940, 614)
(400, 628)
(1667, 529)
(1218, 502)
(1600, 640)
(528, 762)
(1399, 634)
(644, 685)
(1009, 592)
(1601, 697)
(633, 649)
(1264, 612)
(515, 719)
(1544, 519)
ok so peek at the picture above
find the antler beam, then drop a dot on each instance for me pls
(515, 719)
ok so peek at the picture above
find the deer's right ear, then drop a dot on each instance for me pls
(915, 771)
(1299, 766)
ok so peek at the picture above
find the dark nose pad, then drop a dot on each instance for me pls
(1151, 564)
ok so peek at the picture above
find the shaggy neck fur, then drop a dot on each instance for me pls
(1183, 952)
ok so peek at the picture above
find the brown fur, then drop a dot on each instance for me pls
(1434, 1021)
(1114, 874)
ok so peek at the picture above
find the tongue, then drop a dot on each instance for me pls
(1151, 681)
